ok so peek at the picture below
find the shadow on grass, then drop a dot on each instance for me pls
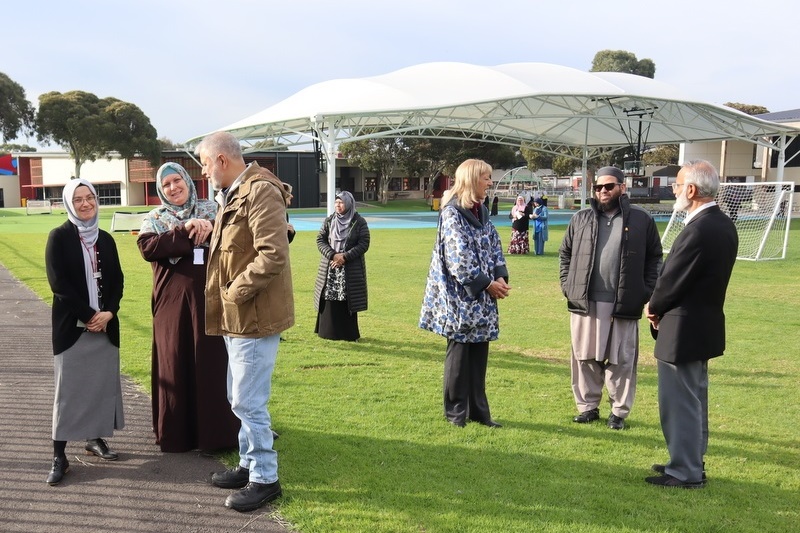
(419, 486)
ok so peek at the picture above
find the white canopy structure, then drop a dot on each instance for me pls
(550, 105)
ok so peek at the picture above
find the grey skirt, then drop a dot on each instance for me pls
(88, 399)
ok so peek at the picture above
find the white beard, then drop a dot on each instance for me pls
(681, 202)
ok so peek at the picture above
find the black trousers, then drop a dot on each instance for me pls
(465, 382)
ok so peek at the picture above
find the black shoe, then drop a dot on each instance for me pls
(489, 423)
(587, 416)
(253, 496)
(235, 478)
(99, 448)
(662, 469)
(275, 435)
(616, 422)
(458, 423)
(60, 467)
(665, 480)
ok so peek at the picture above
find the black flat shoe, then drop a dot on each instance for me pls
(489, 423)
(662, 469)
(665, 480)
(60, 467)
(458, 423)
(99, 448)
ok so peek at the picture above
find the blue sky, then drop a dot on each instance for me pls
(196, 66)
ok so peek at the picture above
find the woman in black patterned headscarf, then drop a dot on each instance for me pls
(341, 288)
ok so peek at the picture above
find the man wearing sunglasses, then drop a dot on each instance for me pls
(609, 262)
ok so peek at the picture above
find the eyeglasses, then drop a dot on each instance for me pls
(88, 199)
(676, 185)
(607, 186)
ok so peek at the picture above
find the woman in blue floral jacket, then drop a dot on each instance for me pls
(467, 276)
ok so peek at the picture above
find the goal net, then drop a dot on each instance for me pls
(38, 207)
(123, 221)
(761, 212)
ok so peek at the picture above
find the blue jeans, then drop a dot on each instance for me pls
(250, 366)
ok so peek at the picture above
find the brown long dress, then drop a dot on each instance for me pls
(189, 374)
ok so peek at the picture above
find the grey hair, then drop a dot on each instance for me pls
(220, 142)
(704, 176)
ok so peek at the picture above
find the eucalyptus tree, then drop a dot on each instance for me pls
(89, 127)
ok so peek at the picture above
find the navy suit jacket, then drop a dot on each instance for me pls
(690, 292)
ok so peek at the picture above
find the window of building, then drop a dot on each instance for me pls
(108, 194)
(404, 184)
(410, 184)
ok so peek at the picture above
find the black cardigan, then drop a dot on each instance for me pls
(65, 272)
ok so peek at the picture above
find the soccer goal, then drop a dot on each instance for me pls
(762, 213)
(38, 207)
(124, 221)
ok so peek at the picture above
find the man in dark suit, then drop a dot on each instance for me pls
(686, 314)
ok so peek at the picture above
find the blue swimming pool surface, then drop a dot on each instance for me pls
(418, 219)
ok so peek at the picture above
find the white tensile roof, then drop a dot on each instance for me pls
(551, 105)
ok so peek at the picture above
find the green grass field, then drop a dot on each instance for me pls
(364, 445)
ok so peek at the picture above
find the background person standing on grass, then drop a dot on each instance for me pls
(249, 302)
(540, 230)
(520, 223)
(190, 402)
(340, 290)
(686, 312)
(86, 279)
(467, 276)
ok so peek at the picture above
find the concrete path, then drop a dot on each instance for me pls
(144, 491)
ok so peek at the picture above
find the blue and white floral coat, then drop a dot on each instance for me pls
(466, 258)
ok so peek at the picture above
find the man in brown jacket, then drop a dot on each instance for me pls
(249, 302)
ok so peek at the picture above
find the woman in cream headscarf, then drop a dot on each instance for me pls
(189, 369)
(86, 279)
(340, 291)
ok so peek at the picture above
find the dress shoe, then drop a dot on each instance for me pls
(60, 467)
(235, 478)
(587, 416)
(99, 448)
(489, 423)
(665, 480)
(458, 423)
(253, 496)
(275, 435)
(662, 469)
(616, 422)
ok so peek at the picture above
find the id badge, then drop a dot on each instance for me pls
(198, 256)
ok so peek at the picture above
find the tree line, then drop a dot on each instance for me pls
(89, 127)
(86, 126)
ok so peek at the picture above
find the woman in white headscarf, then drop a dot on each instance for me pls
(520, 222)
(86, 279)
(340, 291)
(189, 368)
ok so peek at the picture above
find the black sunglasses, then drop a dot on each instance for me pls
(607, 186)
